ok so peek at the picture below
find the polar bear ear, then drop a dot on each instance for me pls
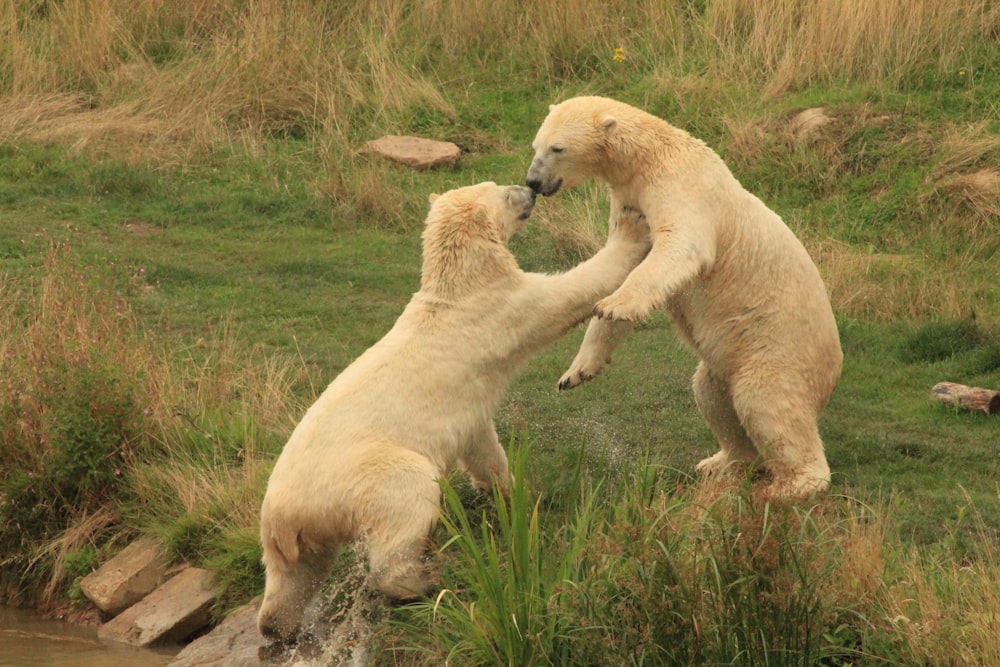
(432, 197)
(609, 123)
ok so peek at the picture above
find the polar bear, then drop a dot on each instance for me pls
(365, 460)
(742, 290)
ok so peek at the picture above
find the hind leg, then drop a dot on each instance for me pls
(398, 532)
(486, 461)
(786, 435)
(601, 339)
(715, 403)
(288, 589)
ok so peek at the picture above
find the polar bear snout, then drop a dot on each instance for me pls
(542, 187)
(540, 176)
(523, 198)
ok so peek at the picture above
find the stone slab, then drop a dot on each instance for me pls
(170, 614)
(127, 578)
(416, 152)
(234, 643)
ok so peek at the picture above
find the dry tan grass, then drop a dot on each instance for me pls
(235, 77)
(229, 493)
(967, 180)
(965, 148)
(807, 124)
(880, 42)
(948, 615)
(166, 80)
(886, 287)
(979, 192)
(85, 530)
(580, 222)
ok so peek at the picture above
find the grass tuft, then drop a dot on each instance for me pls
(707, 574)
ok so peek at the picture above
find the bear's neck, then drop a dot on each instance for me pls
(643, 154)
(450, 272)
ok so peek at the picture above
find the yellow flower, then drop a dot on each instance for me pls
(962, 72)
(619, 56)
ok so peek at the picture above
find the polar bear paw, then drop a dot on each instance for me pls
(582, 370)
(574, 377)
(622, 306)
(713, 465)
(799, 486)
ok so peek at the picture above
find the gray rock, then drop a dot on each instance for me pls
(234, 643)
(126, 578)
(416, 152)
(171, 613)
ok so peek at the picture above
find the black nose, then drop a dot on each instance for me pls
(535, 184)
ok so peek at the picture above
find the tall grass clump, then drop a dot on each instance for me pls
(943, 612)
(78, 400)
(502, 614)
(231, 408)
(104, 434)
(784, 43)
(709, 575)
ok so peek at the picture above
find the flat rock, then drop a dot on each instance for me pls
(127, 578)
(234, 643)
(171, 613)
(416, 152)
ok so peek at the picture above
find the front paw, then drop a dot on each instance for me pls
(573, 378)
(621, 307)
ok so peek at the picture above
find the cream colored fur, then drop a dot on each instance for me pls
(741, 288)
(364, 461)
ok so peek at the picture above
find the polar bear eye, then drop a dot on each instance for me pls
(558, 149)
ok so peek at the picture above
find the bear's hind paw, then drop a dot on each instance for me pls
(573, 379)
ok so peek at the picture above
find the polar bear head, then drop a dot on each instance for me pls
(466, 235)
(595, 137)
(572, 144)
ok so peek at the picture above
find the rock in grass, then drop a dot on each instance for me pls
(416, 152)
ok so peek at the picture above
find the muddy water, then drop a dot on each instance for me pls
(26, 639)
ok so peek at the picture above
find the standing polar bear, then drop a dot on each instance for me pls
(365, 459)
(740, 287)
